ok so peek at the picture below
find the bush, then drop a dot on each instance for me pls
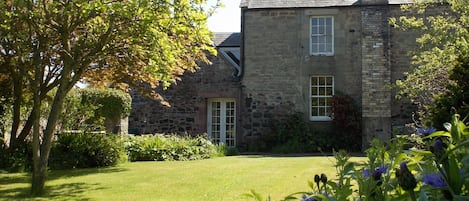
(296, 135)
(17, 160)
(435, 169)
(169, 148)
(86, 109)
(86, 150)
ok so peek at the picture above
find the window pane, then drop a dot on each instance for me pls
(315, 48)
(321, 112)
(322, 80)
(314, 39)
(314, 111)
(322, 47)
(328, 39)
(314, 21)
(329, 81)
(321, 30)
(328, 48)
(322, 101)
(314, 91)
(314, 81)
(322, 91)
(314, 102)
(328, 91)
(329, 21)
(321, 21)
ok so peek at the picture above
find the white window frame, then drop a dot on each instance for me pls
(319, 53)
(223, 138)
(311, 97)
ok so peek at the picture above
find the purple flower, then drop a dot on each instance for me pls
(438, 145)
(366, 172)
(379, 171)
(435, 179)
(403, 166)
(426, 131)
(305, 198)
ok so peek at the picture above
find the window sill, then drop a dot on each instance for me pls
(322, 55)
(322, 118)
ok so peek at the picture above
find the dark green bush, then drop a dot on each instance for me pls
(453, 101)
(168, 148)
(86, 150)
(296, 135)
(16, 160)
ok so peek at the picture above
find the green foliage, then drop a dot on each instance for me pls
(296, 135)
(85, 150)
(169, 148)
(111, 102)
(86, 109)
(453, 101)
(444, 39)
(48, 45)
(346, 117)
(79, 114)
(436, 170)
(15, 160)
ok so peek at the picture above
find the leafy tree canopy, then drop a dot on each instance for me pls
(444, 28)
(53, 44)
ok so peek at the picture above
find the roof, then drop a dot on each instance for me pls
(308, 3)
(227, 39)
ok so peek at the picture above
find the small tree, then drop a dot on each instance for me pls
(53, 44)
(444, 39)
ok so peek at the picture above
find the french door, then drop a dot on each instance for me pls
(221, 121)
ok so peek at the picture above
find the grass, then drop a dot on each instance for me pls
(220, 179)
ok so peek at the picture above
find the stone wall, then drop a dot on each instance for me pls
(376, 74)
(278, 64)
(188, 100)
(369, 55)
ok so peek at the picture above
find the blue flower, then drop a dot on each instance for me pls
(366, 172)
(403, 166)
(305, 198)
(426, 131)
(379, 171)
(438, 145)
(435, 179)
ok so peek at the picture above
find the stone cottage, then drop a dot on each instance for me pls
(290, 56)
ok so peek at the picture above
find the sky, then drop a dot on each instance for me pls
(226, 19)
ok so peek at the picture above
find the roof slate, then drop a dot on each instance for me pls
(307, 3)
(227, 39)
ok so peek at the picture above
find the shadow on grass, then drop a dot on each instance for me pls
(69, 191)
(17, 186)
(58, 174)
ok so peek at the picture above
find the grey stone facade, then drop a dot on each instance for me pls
(188, 98)
(276, 67)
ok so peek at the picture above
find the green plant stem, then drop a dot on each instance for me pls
(412, 195)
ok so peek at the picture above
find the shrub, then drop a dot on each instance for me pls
(168, 148)
(86, 109)
(436, 169)
(17, 160)
(296, 135)
(86, 150)
(346, 117)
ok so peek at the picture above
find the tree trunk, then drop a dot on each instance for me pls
(42, 154)
(17, 101)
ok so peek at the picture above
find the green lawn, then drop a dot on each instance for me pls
(225, 178)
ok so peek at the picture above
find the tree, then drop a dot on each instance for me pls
(53, 44)
(444, 25)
